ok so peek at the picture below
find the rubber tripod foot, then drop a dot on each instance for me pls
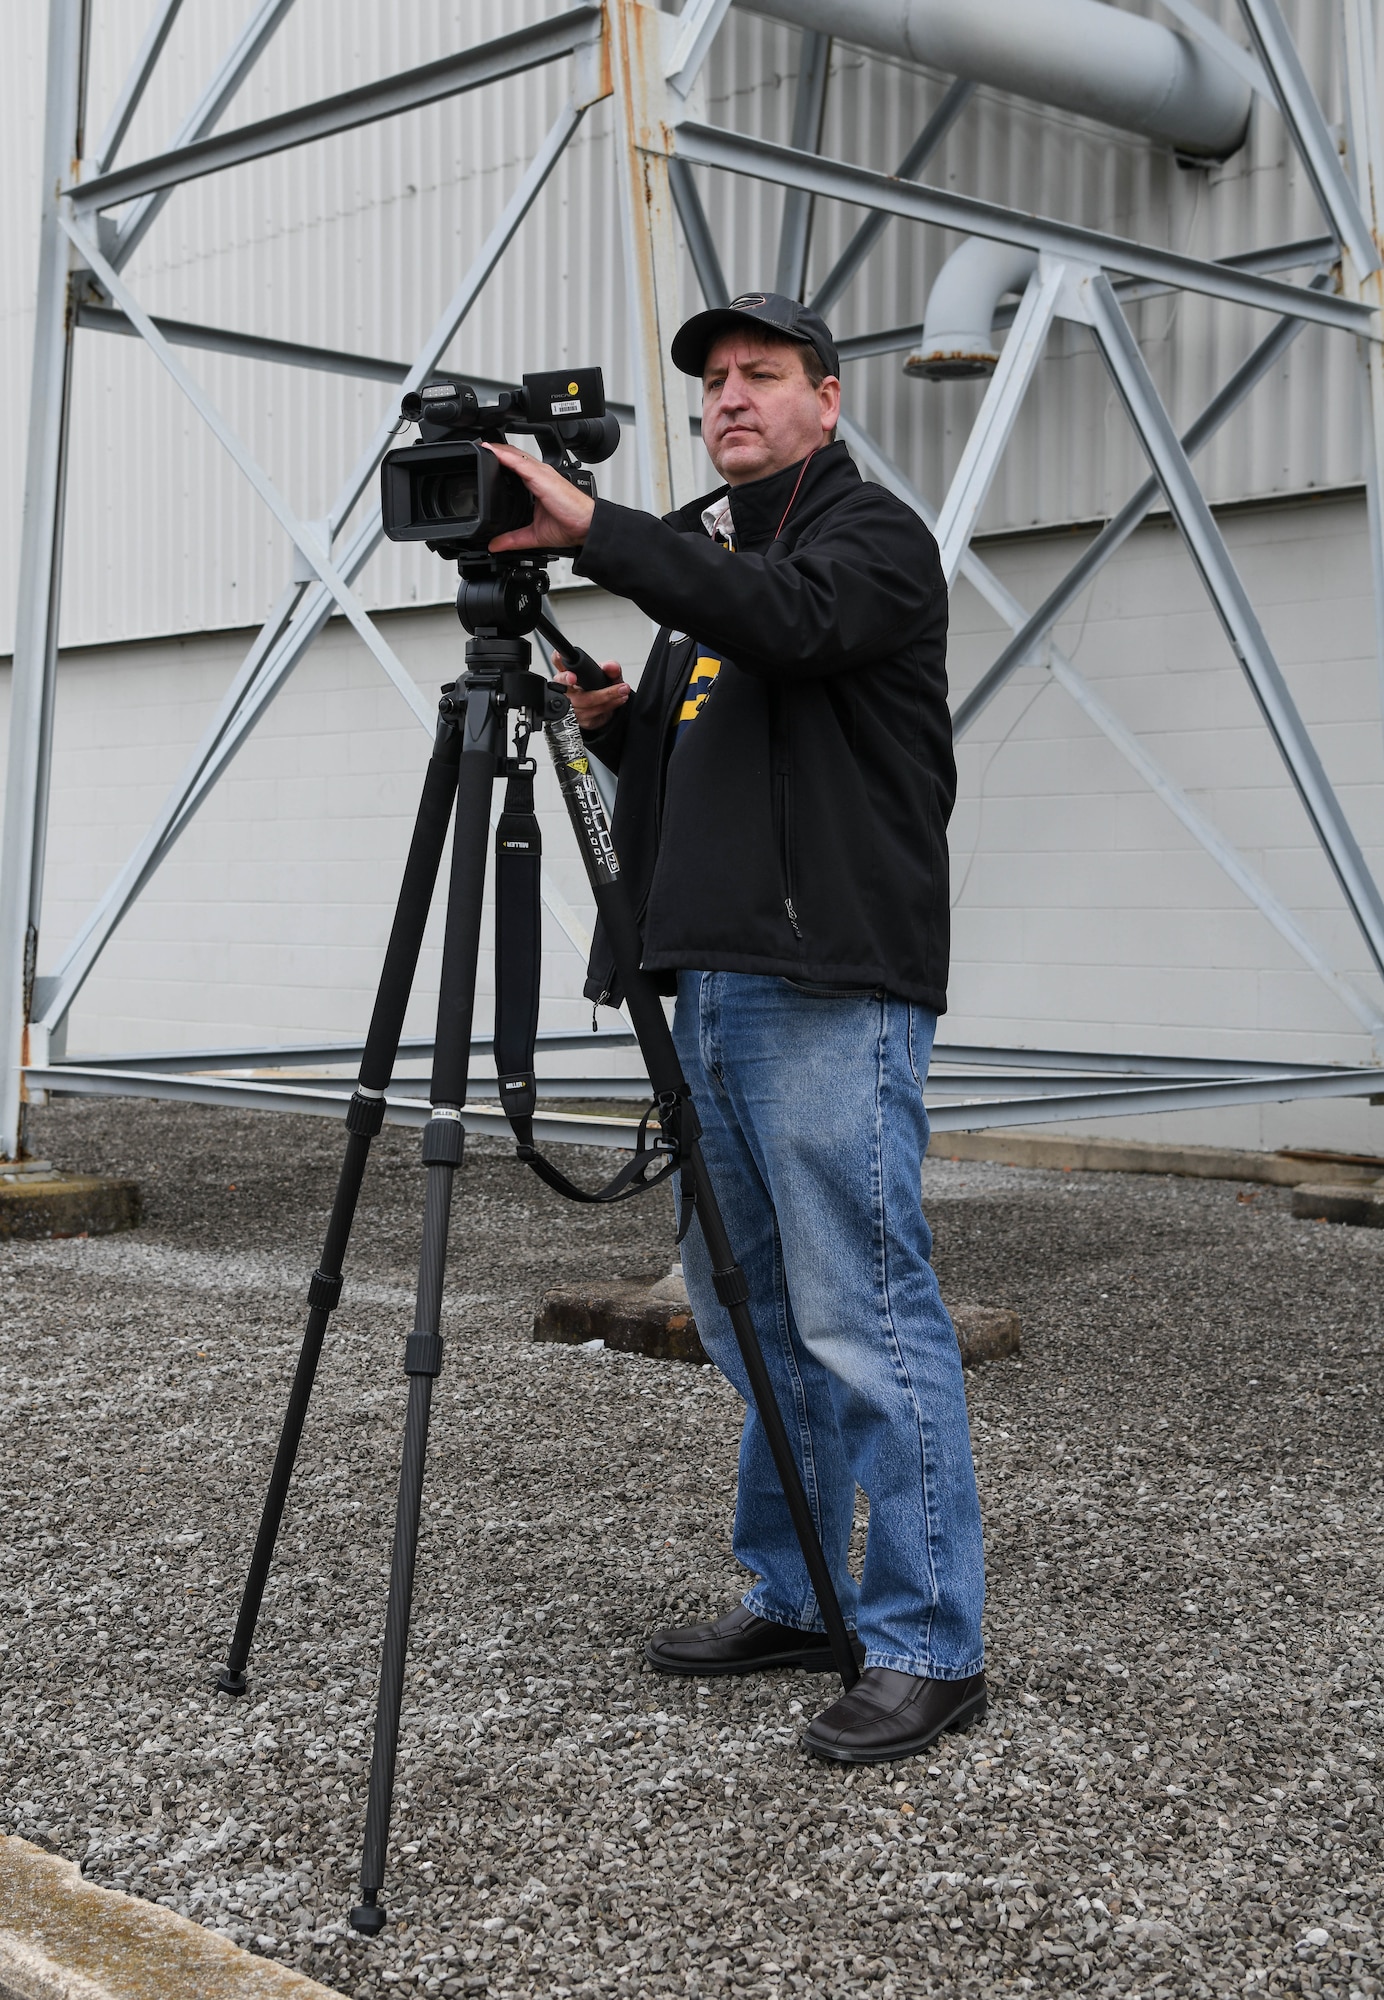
(368, 1919)
(229, 1682)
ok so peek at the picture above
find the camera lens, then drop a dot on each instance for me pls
(449, 495)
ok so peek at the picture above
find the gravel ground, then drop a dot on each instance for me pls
(1177, 1786)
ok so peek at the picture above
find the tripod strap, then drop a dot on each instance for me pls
(518, 953)
(518, 942)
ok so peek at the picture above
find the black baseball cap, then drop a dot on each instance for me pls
(771, 312)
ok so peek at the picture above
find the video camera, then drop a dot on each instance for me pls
(449, 492)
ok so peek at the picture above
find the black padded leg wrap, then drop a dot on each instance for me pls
(731, 1288)
(443, 1140)
(423, 1354)
(365, 1115)
(324, 1290)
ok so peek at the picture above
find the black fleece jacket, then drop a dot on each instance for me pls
(800, 830)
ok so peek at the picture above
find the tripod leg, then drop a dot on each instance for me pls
(442, 1152)
(733, 1292)
(364, 1117)
(665, 1073)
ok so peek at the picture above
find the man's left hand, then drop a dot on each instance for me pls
(561, 513)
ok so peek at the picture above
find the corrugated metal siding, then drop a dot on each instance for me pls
(356, 242)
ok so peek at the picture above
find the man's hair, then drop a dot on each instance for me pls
(814, 367)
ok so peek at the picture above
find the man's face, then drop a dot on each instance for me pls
(759, 411)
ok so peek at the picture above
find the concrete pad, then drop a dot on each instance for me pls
(634, 1317)
(63, 1938)
(1331, 1202)
(36, 1200)
(1056, 1150)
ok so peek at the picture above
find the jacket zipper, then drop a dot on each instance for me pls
(785, 850)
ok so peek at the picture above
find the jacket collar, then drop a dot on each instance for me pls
(758, 506)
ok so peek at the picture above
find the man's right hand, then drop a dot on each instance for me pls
(595, 707)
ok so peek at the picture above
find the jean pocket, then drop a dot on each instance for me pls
(818, 990)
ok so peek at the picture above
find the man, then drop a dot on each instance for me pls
(786, 777)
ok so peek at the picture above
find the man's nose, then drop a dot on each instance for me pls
(735, 394)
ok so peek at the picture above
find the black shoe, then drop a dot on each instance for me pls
(739, 1643)
(887, 1715)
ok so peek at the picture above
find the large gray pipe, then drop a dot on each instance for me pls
(1077, 54)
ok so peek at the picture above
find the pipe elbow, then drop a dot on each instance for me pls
(959, 323)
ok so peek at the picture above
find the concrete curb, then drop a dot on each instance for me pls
(634, 1317)
(53, 1204)
(63, 1938)
(1141, 1156)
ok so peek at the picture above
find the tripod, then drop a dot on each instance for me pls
(497, 693)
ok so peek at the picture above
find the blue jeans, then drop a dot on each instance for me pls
(814, 1131)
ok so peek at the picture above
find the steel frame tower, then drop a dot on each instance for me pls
(649, 64)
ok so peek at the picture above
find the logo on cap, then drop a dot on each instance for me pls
(750, 299)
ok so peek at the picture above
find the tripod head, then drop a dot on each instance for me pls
(499, 602)
(501, 598)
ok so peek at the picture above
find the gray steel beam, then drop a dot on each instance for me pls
(1102, 1062)
(320, 1101)
(837, 180)
(508, 55)
(1365, 148)
(1193, 516)
(645, 107)
(555, 1127)
(795, 228)
(701, 244)
(581, 1089)
(311, 1055)
(697, 28)
(251, 346)
(958, 95)
(1303, 116)
(948, 1059)
(1144, 1100)
(150, 49)
(237, 63)
(284, 353)
(1122, 525)
(985, 1087)
(40, 571)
